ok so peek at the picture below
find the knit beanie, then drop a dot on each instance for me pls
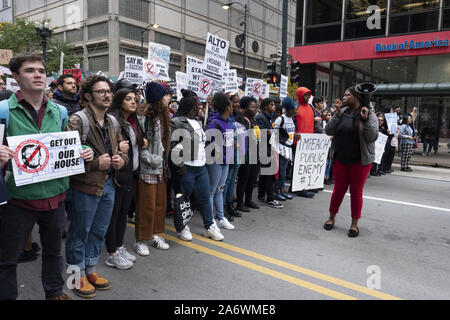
(154, 92)
(288, 104)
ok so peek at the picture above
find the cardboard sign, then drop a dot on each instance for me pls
(255, 87)
(283, 86)
(310, 161)
(134, 69)
(181, 78)
(160, 55)
(216, 52)
(47, 156)
(76, 74)
(5, 56)
(231, 84)
(380, 144)
(12, 85)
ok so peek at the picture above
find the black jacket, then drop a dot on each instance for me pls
(190, 147)
(265, 122)
(72, 106)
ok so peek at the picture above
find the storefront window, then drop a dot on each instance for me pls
(357, 9)
(446, 19)
(403, 6)
(423, 21)
(326, 33)
(359, 29)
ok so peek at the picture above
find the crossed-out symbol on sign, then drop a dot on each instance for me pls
(150, 68)
(31, 156)
(257, 88)
(205, 86)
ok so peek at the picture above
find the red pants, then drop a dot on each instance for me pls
(355, 176)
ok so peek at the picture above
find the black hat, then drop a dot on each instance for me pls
(124, 83)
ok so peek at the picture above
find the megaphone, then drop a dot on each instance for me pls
(365, 90)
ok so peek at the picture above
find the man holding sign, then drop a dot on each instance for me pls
(29, 112)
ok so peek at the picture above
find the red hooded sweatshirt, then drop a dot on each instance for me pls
(305, 116)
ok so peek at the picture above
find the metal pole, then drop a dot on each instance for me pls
(44, 48)
(284, 37)
(244, 75)
(142, 43)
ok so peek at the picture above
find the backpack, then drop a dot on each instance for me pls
(4, 114)
(85, 122)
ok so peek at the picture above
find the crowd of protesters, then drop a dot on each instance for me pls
(132, 171)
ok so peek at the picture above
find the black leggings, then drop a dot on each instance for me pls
(247, 175)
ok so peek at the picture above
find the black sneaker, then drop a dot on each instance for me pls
(35, 247)
(252, 205)
(242, 208)
(232, 211)
(27, 256)
(274, 204)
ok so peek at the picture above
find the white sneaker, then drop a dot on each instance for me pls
(214, 233)
(225, 224)
(141, 248)
(124, 253)
(185, 234)
(159, 243)
(118, 261)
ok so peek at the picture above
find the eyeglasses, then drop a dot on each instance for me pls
(103, 92)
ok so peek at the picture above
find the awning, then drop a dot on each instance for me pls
(413, 89)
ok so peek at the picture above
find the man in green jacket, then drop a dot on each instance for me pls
(43, 203)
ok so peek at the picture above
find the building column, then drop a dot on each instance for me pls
(114, 38)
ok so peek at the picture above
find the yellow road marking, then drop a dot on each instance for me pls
(267, 271)
(286, 265)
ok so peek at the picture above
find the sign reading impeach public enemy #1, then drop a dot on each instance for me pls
(310, 161)
(46, 156)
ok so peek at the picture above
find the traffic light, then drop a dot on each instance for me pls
(271, 72)
(276, 79)
(295, 71)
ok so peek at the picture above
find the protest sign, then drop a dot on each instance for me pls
(12, 85)
(47, 156)
(76, 74)
(181, 79)
(134, 69)
(195, 80)
(216, 51)
(5, 56)
(255, 87)
(310, 160)
(391, 121)
(283, 86)
(231, 84)
(159, 57)
(380, 144)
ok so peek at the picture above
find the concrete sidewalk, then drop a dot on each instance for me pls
(441, 159)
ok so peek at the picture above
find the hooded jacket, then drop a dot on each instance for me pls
(304, 121)
(72, 106)
(216, 121)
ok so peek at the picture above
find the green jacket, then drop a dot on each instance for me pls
(21, 123)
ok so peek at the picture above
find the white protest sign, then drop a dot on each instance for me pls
(310, 160)
(216, 52)
(266, 90)
(12, 85)
(239, 81)
(380, 144)
(231, 84)
(134, 69)
(195, 80)
(283, 86)
(153, 69)
(181, 79)
(255, 87)
(160, 54)
(391, 121)
(46, 156)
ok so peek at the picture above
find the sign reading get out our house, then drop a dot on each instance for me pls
(411, 45)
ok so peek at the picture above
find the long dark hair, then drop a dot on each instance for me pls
(187, 103)
(116, 111)
(158, 111)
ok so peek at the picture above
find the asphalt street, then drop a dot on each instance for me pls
(286, 254)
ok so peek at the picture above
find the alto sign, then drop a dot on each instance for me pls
(411, 45)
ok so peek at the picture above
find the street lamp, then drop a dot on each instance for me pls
(42, 29)
(154, 26)
(227, 6)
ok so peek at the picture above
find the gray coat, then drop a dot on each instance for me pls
(151, 158)
(368, 134)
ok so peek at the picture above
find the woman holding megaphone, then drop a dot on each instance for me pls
(355, 129)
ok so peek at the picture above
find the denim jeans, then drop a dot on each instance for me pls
(196, 181)
(16, 226)
(218, 174)
(282, 173)
(228, 191)
(89, 223)
(328, 168)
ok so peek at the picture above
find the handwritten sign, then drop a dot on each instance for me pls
(181, 79)
(255, 87)
(5, 56)
(310, 159)
(216, 52)
(380, 144)
(160, 55)
(76, 74)
(391, 121)
(231, 84)
(47, 156)
(134, 69)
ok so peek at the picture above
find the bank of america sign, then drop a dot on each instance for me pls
(411, 45)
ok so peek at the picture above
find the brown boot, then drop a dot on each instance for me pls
(98, 282)
(86, 289)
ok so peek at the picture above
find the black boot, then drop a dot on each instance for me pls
(232, 211)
